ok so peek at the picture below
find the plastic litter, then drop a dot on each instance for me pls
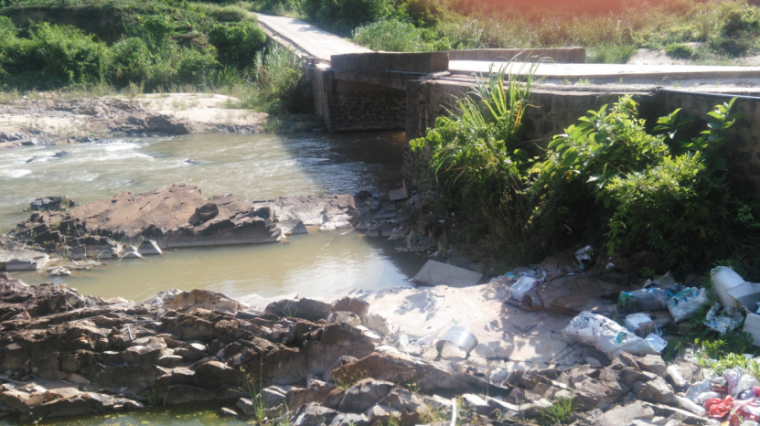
(425, 340)
(647, 299)
(657, 342)
(583, 256)
(640, 324)
(745, 385)
(687, 404)
(674, 374)
(686, 302)
(732, 376)
(707, 395)
(460, 337)
(697, 389)
(723, 319)
(724, 278)
(718, 408)
(606, 335)
(403, 340)
(522, 286)
(743, 411)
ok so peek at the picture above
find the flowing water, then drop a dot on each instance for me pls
(255, 167)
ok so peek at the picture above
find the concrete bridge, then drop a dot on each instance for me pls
(356, 89)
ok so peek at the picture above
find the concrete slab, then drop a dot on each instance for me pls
(437, 273)
(629, 73)
(311, 40)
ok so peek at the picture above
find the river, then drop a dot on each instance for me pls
(256, 167)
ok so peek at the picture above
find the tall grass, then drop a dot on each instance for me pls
(391, 35)
(279, 83)
(477, 158)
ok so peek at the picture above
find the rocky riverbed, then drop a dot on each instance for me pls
(312, 362)
(52, 118)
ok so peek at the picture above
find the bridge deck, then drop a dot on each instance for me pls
(314, 42)
(613, 72)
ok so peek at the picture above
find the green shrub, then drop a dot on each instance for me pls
(612, 54)
(194, 66)
(392, 36)
(280, 83)
(343, 16)
(54, 56)
(132, 61)
(237, 44)
(679, 51)
(231, 14)
(155, 30)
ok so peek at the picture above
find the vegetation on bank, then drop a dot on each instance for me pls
(611, 179)
(718, 30)
(147, 47)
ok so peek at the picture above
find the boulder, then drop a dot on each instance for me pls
(202, 299)
(58, 271)
(313, 415)
(329, 212)
(227, 412)
(657, 391)
(213, 374)
(364, 394)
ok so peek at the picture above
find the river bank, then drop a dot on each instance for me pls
(349, 360)
(55, 118)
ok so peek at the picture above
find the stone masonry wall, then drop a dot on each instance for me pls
(557, 109)
(358, 111)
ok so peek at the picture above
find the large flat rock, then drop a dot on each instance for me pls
(328, 212)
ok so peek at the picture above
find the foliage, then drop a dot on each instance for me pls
(558, 412)
(679, 51)
(237, 44)
(477, 157)
(612, 53)
(343, 16)
(390, 35)
(720, 355)
(281, 86)
(53, 55)
(347, 379)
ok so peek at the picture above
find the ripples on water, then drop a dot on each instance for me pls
(251, 166)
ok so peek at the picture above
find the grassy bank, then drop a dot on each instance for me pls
(143, 47)
(705, 32)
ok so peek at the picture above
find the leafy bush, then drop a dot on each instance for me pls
(343, 16)
(477, 160)
(280, 83)
(132, 61)
(612, 54)
(392, 36)
(237, 44)
(231, 14)
(679, 51)
(53, 56)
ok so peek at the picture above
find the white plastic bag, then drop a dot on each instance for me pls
(723, 319)
(686, 302)
(657, 342)
(606, 335)
(520, 287)
(640, 324)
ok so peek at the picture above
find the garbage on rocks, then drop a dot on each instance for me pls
(747, 296)
(647, 299)
(640, 324)
(583, 256)
(686, 302)
(606, 335)
(520, 287)
(657, 342)
(723, 319)
(666, 282)
(457, 340)
(724, 278)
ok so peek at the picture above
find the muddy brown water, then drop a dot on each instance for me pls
(256, 167)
